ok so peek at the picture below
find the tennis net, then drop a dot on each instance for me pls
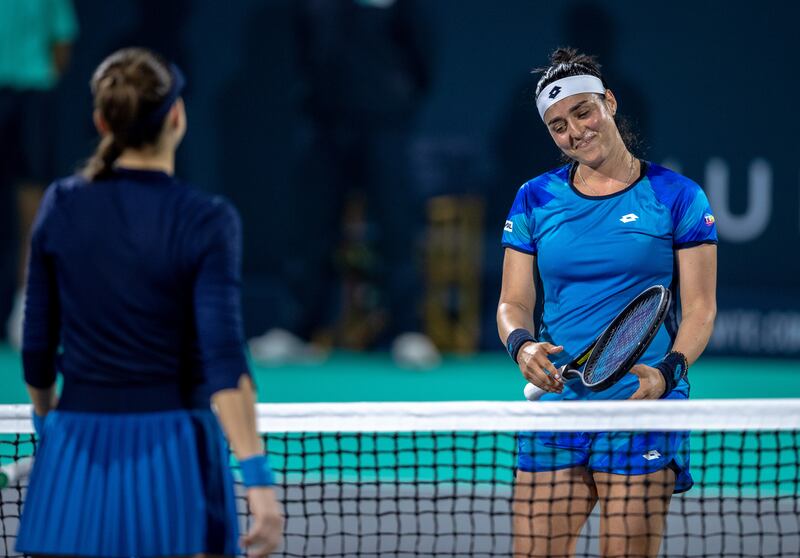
(438, 479)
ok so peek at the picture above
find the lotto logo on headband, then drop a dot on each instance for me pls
(566, 87)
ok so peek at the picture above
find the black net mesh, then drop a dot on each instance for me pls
(452, 493)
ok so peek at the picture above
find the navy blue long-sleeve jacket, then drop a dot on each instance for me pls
(133, 294)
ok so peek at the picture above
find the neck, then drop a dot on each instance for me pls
(161, 160)
(616, 166)
(614, 173)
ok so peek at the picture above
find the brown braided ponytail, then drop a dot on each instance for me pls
(127, 86)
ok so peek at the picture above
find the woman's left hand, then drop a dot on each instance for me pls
(651, 382)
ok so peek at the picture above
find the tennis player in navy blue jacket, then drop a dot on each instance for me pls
(133, 296)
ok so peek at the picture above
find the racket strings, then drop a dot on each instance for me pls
(622, 340)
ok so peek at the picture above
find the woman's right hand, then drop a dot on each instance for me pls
(536, 366)
(266, 529)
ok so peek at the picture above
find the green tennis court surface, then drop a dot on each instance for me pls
(371, 483)
(488, 376)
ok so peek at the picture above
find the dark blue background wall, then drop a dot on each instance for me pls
(712, 88)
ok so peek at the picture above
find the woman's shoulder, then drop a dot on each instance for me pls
(66, 185)
(205, 215)
(205, 205)
(541, 189)
(59, 190)
(671, 187)
(557, 176)
(664, 177)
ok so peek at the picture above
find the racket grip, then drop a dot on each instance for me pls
(14, 472)
(533, 393)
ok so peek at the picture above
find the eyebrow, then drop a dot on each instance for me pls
(571, 109)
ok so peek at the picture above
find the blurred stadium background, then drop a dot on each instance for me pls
(708, 87)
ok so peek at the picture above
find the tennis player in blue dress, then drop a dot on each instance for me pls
(599, 231)
(133, 297)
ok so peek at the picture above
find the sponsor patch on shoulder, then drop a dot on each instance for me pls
(709, 219)
(509, 226)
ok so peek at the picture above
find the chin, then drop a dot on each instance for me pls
(589, 160)
(590, 157)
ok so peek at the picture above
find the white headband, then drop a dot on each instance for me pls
(566, 87)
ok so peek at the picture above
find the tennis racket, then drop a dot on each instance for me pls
(13, 473)
(616, 350)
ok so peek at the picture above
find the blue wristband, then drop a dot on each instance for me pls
(256, 471)
(673, 368)
(38, 423)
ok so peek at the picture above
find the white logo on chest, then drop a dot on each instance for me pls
(629, 218)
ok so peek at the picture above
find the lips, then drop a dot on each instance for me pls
(582, 144)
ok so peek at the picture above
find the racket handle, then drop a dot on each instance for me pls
(533, 393)
(14, 472)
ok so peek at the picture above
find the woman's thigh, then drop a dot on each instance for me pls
(550, 508)
(633, 512)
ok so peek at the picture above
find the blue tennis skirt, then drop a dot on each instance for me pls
(620, 453)
(120, 485)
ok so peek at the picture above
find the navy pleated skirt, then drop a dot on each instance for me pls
(120, 485)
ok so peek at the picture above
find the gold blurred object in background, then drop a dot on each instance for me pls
(363, 317)
(453, 257)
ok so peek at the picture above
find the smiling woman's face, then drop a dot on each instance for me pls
(583, 126)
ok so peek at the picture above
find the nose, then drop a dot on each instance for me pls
(575, 129)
